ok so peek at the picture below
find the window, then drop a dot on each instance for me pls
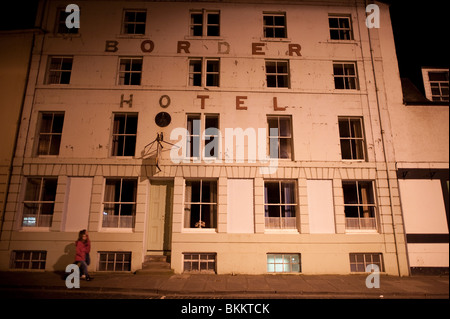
(134, 21)
(352, 138)
(340, 27)
(359, 205)
(193, 137)
(199, 262)
(277, 73)
(280, 205)
(204, 72)
(283, 263)
(200, 209)
(359, 261)
(212, 135)
(119, 205)
(130, 71)
(59, 70)
(39, 202)
(114, 261)
(28, 259)
(439, 86)
(50, 131)
(61, 27)
(274, 25)
(124, 134)
(205, 23)
(345, 77)
(280, 135)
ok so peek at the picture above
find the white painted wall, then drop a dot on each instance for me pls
(78, 201)
(423, 207)
(321, 207)
(428, 255)
(240, 212)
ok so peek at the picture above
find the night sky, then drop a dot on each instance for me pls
(420, 31)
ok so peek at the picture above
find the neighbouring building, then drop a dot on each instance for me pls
(226, 136)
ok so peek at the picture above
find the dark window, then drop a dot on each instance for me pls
(200, 204)
(39, 202)
(119, 203)
(199, 262)
(59, 70)
(61, 27)
(359, 205)
(345, 77)
(134, 21)
(130, 71)
(280, 135)
(277, 73)
(352, 138)
(124, 134)
(28, 259)
(114, 261)
(280, 204)
(340, 28)
(360, 261)
(50, 131)
(274, 25)
(205, 23)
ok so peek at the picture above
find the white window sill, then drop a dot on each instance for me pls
(34, 229)
(200, 230)
(116, 230)
(281, 231)
(361, 231)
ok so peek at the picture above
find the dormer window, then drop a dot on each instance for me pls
(436, 84)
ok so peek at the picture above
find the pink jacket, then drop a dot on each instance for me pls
(82, 248)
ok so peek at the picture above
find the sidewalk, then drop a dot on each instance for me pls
(237, 286)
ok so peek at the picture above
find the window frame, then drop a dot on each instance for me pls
(53, 73)
(119, 204)
(274, 27)
(204, 24)
(279, 137)
(60, 23)
(39, 201)
(355, 264)
(283, 264)
(365, 224)
(277, 74)
(198, 226)
(114, 262)
(341, 30)
(284, 223)
(124, 25)
(362, 139)
(206, 261)
(347, 79)
(440, 85)
(114, 136)
(39, 134)
(123, 74)
(41, 259)
(203, 73)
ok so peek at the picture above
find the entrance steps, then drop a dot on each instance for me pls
(155, 265)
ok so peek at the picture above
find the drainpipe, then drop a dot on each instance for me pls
(384, 146)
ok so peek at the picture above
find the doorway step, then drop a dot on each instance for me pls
(155, 265)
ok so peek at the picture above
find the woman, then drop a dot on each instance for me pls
(83, 247)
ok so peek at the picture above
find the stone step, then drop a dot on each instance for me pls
(155, 265)
(156, 258)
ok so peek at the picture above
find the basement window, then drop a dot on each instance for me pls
(114, 261)
(199, 262)
(360, 261)
(285, 263)
(28, 259)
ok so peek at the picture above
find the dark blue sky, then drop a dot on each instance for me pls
(420, 31)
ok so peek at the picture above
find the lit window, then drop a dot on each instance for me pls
(283, 263)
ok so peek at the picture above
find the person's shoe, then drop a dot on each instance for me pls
(83, 276)
(89, 278)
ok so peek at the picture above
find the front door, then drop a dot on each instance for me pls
(159, 222)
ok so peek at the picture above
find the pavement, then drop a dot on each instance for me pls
(204, 286)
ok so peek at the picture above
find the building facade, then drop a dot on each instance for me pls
(233, 136)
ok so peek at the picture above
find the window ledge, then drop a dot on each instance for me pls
(275, 39)
(199, 230)
(116, 230)
(35, 229)
(281, 231)
(361, 231)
